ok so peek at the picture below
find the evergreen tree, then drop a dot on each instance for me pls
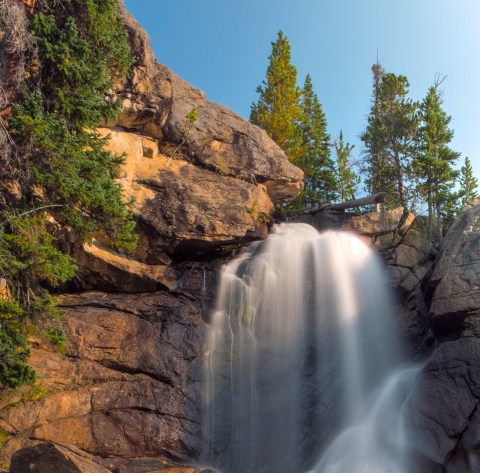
(56, 170)
(316, 162)
(391, 138)
(379, 173)
(278, 110)
(347, 179)
(468, 184)
(433, 166)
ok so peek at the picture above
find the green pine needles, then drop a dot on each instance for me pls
(57, 172)
(406, 144)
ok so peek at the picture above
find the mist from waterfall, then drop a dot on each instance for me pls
(303, 366)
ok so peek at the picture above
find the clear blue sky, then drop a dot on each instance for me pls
(222, 47)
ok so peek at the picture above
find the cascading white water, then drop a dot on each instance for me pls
(300, 341)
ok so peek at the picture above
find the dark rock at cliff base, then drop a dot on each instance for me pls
(146, 465)
(444, 413)
(50, 457)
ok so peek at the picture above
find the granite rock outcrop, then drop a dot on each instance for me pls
(204, 181)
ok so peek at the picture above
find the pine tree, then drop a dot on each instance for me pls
(278, 110)
(379, 172)
(433, 166)
(316, 162)
(347, 179)
(391, 138)
(468, 184)
(56, 168)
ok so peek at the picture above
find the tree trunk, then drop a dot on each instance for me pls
(401, 186)
(430, 211)
(377, 198)
(440, 226)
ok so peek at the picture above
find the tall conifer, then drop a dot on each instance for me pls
(347, 179)
(278, 110)
(391, 138)
(316, 161)
(434, 164)
(379, 175)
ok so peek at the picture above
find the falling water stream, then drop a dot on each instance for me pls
(303, 369)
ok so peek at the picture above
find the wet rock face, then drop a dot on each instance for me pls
(444, 408)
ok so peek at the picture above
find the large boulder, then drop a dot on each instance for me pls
(157, 102)
(47, 457)
(50, 457)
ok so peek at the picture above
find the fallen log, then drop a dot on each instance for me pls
(378, 198)
(374, 199)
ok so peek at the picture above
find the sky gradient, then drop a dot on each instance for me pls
(222, 47)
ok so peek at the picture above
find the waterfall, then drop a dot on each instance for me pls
(302, 369)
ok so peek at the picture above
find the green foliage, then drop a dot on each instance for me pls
(379, 176)
(258, 216)
(278, 110)
(82, 54)
(34, 394)
(315, 162)
(192, 116)
(468, 183)
(433, 166)
(58, 338)
(74, 171)
(391, 138)
(58, 171)
(14, 355)
(347, 179)
(11, 314)
(36, 258)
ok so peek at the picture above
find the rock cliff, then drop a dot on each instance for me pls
(204, 181)
(445, 415)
